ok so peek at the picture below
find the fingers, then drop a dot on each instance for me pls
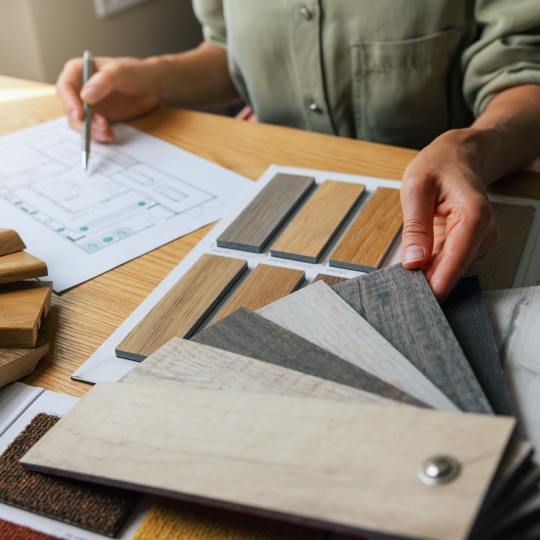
(68, 86)
(108, 77)
(101, 131)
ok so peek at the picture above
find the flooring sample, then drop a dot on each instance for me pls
(319, 315)
(246, 333)
(369, 239)
(316, 224)
(10, 242)
(95, 508)
(21, 265)
(22, 306)
(264, 285)
(266, 213)
(17, 363)
(184, 307)
(497, 269)
(328, 279)
(335, 464)
(12, 531)
(399, 304)
(466, 313)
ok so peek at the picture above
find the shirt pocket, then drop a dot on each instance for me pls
(402, 89)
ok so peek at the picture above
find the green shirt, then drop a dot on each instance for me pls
(393, 71)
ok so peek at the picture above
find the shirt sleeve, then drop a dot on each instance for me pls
(210, 15)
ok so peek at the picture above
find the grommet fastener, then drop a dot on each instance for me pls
(438, 470)
(304, 11)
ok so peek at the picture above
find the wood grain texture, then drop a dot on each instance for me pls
(10, 242)
(329, 279)
(316, 224)
(369, 239)
(399, 304)
(319, 315)
(21, 265)
(265, 453)
(266, 213)
(184, 307)
(497, 269)
(17, 363)
(264, 285)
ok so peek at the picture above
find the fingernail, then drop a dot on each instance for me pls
(413, 254)
(89, 94)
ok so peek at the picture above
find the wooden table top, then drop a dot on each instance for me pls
(82, 318)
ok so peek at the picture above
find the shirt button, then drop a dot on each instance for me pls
(304, 11)
(314, 107)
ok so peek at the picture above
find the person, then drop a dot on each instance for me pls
(457, 79)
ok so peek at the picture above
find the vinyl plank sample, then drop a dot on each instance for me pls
(369, 239)
(264, 285)
(21, 265)
(266, 213)
(12, 531)
(17, 363)
(497, 269)
(330, 463)
(10, 242)
(399, 304)
(319, 315)
(246, 333)
(316, 224)
(184, 307)
(329, 279)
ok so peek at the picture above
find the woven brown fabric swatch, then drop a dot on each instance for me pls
(11, 531)
(97, 508)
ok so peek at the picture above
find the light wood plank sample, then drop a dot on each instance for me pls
(10, 242)
(264, 285)
(497, 269)
(266, 213)
(246, 333)
(316, 224)
(333, 463)
(319, 315)
(328, 279)
(399, 304)
(370, 237)
(22, 306)
(184, 307)
(17, 363)
(21, 265)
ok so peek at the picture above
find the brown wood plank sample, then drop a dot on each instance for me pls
(21, 265)
(266, 213)
(12, 531)
(399, 304)
(497, 269)
(246, 333)
(264, 285)
(316, 224)
(337, 464)
(329, 279)
(22, 306)
(369, 239)
(184, 307)
(10, 242)
(17, 363)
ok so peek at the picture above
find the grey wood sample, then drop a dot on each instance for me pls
(246, 333)
(319, 315)
(466, 312)
(399, 304)
(266, 213)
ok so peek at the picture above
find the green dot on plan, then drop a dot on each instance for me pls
(108, 239)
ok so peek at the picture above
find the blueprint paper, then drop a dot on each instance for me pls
(137, 195)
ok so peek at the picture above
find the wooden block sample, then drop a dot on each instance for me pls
(316, 224)
(21, 265)
(264, 285)
(369, 239)
(399, 304)
(17, 363)
(184, 307)
(10, 242)
(336, 464)
(266, 213)
(328, 279)
(247, 333)
(22, 306)
(319, 315)
(497, 269)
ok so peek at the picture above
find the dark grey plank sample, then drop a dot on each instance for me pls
(246, 333)
(466, 312)
(266, 213)
(399, 304)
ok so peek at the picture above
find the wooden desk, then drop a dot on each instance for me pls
(83, 317)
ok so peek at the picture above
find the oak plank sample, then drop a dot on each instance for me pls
(10, 242)
(331, 463)
(266, 213)
(17, 363)
(369, 239)
(319, 315)
(316, 224)
(22, 306)
(247, 333)
(399, 304)
(497, 268)
(21, 265)
(329, 279)
(184, 307)
(466, 312)
(264, 285)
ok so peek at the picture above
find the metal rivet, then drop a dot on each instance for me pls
(314, 107)
(304, 11)
(438, 470)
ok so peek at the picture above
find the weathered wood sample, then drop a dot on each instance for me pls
(266, 213)
(10, 242)
(184, 307)
(316, 224)
(329, 279)
(369, 239)
(21, 265)
(17, 363)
